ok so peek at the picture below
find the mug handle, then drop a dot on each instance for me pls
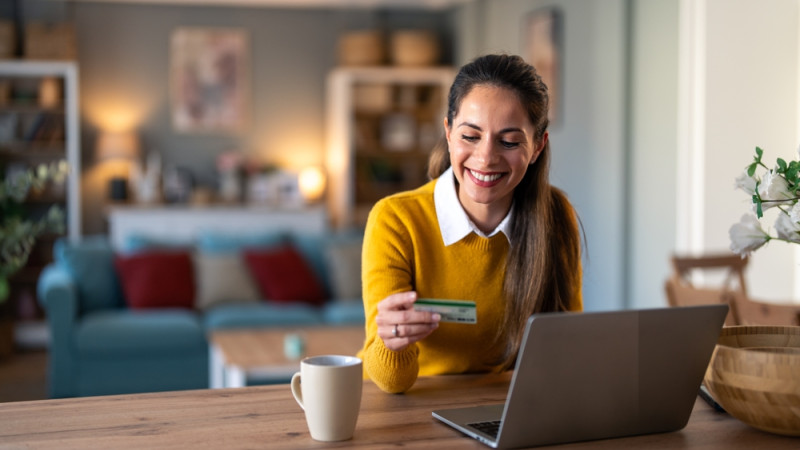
(297, 391)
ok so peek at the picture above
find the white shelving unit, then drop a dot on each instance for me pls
(22, 148)
(382, 123)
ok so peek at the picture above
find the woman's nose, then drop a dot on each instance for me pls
(486, 152)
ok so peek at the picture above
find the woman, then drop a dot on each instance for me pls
(489, 228)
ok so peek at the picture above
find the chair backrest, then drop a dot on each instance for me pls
(681, 291)
(751, 312)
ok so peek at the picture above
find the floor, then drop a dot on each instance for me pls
(23, 376)
(23, 373)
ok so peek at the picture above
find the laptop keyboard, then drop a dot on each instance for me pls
(490, 428)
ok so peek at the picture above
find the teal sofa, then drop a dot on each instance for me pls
(100, 346)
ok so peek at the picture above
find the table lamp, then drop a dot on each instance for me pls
(311, 182)
(114, 145)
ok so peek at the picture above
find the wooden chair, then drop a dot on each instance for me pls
(752, 312)
(682, 292)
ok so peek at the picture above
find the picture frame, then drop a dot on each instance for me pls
(209, 80)
(542, 48)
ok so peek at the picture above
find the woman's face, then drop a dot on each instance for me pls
(491, 142)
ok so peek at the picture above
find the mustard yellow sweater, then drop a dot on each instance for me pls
(404, 251)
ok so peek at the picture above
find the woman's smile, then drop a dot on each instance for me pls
(485, 179)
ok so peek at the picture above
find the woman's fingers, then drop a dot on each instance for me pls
(399, 324)
(398, 302)
(405, 334)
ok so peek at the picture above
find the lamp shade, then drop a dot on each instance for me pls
(117, 145)
(311, 181)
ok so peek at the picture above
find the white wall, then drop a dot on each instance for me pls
(588, 142)
(748, 93)
(653, 138)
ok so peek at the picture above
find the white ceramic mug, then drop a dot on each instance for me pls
(328, 388)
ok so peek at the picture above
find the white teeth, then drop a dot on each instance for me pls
(485, 178)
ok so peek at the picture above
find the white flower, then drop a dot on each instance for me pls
(746, 183)
(787, 228)
(774, 187)
(794, 213)
(747, 235)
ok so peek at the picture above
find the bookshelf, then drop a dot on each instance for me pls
(39, 125)
(382, 123)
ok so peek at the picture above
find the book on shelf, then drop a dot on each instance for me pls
(46, 128)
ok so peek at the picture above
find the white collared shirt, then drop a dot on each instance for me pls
(454, 224)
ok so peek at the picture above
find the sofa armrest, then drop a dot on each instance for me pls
(58, 295)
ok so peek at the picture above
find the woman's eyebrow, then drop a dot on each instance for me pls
(503, 131)
(471, 125)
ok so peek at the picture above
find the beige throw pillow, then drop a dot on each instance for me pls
(344, 264)
(222, 278)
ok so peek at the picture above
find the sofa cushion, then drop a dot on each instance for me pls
(157, 279)
(344, 313)
(211, 242)
(136, 243)
(222, 278)
(91, 264)
(283, 275)
(244, 315)
(312, 247)
(117, 334)
(343, 257)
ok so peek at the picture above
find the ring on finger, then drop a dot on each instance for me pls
(394, 331)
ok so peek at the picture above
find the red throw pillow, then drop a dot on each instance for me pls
(283, 275)
(157, 279)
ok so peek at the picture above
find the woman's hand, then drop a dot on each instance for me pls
(399, 325)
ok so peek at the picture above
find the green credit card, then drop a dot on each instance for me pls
(456, 311)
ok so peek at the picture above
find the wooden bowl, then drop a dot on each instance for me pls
(755, 375)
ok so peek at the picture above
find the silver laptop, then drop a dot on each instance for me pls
(596, 375)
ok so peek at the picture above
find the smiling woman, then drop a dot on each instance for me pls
(489, 229)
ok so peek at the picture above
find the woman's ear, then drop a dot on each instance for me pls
(447, 131)
(540, 148)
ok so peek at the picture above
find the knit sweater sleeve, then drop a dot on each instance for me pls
(387, 261)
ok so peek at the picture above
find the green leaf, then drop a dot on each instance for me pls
(751, 169)
(781, 165)
(757, 201)
(759, 153)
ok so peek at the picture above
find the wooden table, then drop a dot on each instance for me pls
(238, 356)
(268, 417)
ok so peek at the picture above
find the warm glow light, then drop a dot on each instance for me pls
(117, 145)
(312, 183)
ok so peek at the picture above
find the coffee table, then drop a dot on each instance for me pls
(242, 355)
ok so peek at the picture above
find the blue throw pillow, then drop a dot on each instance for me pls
(91, 263)
(215, 243)
(138, 243)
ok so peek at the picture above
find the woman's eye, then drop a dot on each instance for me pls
(469, 138)
(508, 144)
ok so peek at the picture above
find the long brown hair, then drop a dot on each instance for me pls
(543, 264)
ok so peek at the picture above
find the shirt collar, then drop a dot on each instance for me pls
(454, 224)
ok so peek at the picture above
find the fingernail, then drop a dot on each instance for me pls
(436, 317)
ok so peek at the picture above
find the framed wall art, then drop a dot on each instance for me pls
(209, 80)
(542, 48)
